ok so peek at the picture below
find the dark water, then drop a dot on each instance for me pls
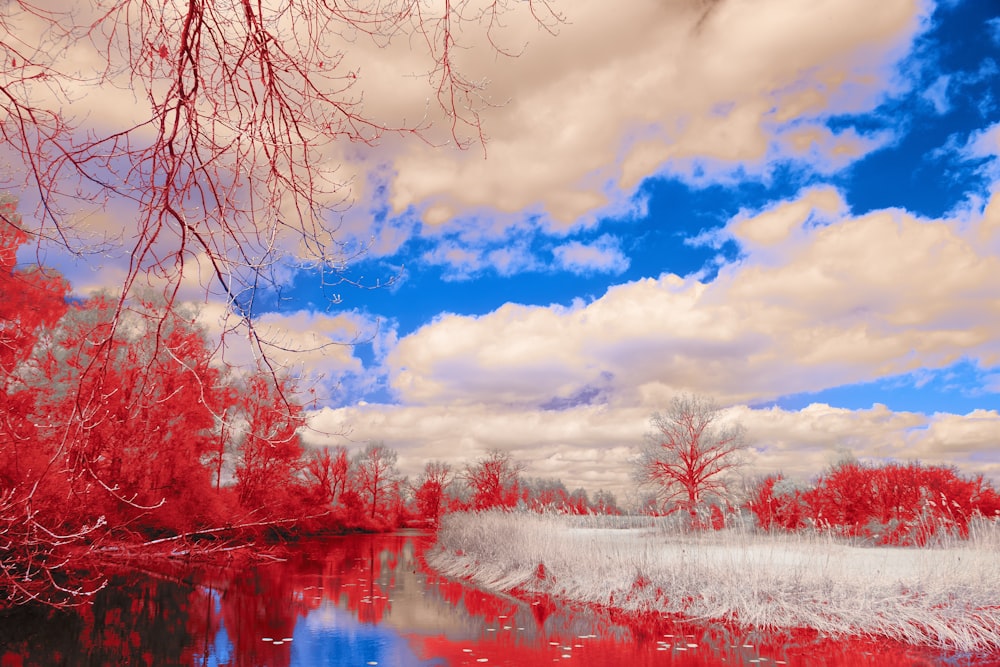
(369, 601)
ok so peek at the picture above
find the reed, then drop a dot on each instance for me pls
(946, 596)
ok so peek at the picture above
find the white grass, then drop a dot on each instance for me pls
(947, 596)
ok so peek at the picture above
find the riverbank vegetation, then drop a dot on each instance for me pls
(123, 436)
(944, 595)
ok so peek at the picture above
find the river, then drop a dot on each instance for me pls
(368, 600)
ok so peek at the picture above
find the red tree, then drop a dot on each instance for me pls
(901, 504)
(135, 412)
(31, 492)
(374, 478)
(270, 450)
(776, 505)
(494, 480)
(430, 491)
(327, 474)
(32, 297)
(688, 454)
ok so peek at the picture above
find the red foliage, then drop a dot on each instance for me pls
(776, 509)
(131, 414)
(430, 495)
(718, 518)
(899, 504)
(271, 451)
(375, 479)
(494, 480)
(32, 298)
(327, 475)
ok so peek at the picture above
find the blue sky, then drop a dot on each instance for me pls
(938, 98)
(791, 207)
(946, 93)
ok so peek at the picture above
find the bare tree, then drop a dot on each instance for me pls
(224, 149)
(375, 474)
(689, 452)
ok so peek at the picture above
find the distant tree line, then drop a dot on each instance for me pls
(689, 460)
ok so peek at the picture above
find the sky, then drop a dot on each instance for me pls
(792, 208)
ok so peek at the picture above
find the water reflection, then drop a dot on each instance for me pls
(368, 600)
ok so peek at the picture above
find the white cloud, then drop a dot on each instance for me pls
(826, 151)
(577, 121)
(983, 144)
(629, 90)
(777, 223)
(463, 261)
(804, 442)
(319, 349)
(819, 298)
(586, 446)
(808, 306)
(604, 255)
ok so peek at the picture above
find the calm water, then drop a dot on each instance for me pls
(369, 600)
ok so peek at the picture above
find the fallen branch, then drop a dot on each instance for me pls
(224, 529)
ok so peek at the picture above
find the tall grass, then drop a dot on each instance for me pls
(946, 596)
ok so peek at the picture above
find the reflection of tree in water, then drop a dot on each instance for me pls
(134, 621)
(166, 620)
(260, 607)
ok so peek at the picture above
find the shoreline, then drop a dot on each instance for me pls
(944, 598)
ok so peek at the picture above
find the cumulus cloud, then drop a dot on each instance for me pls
(585, 446)
(704, 92)
(686, 87)
(776, 224)
(819, 298)
(803, 442)
(578, 120)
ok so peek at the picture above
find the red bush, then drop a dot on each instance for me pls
(899, 504)
(775, 508)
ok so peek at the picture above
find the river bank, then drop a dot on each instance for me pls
(946, 596)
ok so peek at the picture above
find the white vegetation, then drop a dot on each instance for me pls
(946, 596)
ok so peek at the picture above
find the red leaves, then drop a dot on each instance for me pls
(270, 449)
(429, 498)
(899, 504)
(494, 480)
(374, 476)
(163, 52)
(32, 298)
